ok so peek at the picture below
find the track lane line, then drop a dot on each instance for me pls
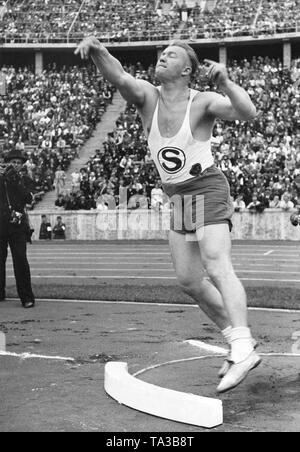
(166, 278)
(151, 270)
(139, 303)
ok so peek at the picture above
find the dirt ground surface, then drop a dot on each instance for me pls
(44, 395)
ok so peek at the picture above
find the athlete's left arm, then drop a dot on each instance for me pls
(237, 103)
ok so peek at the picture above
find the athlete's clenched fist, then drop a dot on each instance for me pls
(217, 73)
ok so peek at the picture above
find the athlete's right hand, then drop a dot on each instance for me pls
(217, 73)
(87, 47)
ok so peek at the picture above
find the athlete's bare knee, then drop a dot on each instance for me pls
(191, 284)
(187, 284)
(219, 269)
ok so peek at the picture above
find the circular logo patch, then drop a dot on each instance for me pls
(172, 160)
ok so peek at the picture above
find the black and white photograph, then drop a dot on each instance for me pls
(149, 219)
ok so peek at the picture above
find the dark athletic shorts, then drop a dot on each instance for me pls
(200, 201)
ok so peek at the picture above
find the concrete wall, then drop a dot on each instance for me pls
(149, 225)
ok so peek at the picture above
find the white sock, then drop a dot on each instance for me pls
(227, 334)
(241, 343)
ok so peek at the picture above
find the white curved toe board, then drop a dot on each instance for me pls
(165, 403)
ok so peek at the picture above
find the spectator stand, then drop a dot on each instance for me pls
(50, 116)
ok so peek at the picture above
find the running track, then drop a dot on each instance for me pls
(256, 263)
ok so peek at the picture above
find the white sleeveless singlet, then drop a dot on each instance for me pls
(176, 156)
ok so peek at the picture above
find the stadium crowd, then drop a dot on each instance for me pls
(228, 19)
(232, 18)
(119, 21)
(37, 20)
(261, 159)
(131, 20)
(278, 17)
(49, 116)
(116, 20)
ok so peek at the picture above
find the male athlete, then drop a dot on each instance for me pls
(178, 122)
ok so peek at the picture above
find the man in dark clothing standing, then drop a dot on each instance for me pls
(45, 229)
(14, 229)
(59, 230)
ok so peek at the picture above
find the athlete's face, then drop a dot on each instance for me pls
(173, 63)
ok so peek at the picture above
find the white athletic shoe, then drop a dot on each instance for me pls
(228, 362)
(238, 372)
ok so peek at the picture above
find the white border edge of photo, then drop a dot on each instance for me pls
(161, 402)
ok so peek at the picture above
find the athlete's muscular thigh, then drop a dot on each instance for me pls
(215, 248)
(186, 259)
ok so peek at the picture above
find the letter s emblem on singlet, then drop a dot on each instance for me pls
(172, 160)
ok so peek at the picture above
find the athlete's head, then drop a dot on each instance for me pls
(178, 60)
